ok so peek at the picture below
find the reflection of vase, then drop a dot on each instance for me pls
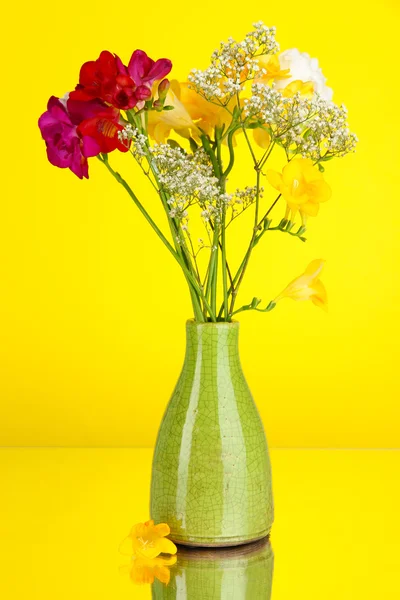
(241, 573)
(211, 477)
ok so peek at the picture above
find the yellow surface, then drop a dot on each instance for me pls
(92, 309)
(64, 513)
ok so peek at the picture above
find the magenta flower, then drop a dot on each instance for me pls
(63, 144)
(145, 71)
(75, 130)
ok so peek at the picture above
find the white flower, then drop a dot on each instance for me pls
(304, 68)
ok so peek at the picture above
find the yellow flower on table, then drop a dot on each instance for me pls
(307, 286)
(302, 186)
(148, 540)
(145, 570)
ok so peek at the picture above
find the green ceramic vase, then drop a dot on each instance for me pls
(211, 477)
(243, 573)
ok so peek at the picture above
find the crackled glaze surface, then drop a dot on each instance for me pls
(211, 479)
(220, 575)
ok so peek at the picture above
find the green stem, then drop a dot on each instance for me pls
(195, 290)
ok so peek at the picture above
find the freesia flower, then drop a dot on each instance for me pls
(191, 116)
(106, 78)
(302, 68)
(145, 71)
(304, 88)
(271, 69)
(302, 186)
(178, 119)
(148, 540)
(64, 145)
(145, 570)
(307, 286)
(75, 130)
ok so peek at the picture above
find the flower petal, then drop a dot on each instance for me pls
(165, 546)
(275, 179)
(315, 267)
(262, 138)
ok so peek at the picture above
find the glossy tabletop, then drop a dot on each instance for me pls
(64, 512)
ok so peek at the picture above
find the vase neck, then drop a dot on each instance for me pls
(211, 343)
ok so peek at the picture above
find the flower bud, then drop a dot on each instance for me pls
(163, 89)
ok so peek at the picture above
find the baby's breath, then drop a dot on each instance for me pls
(233, 64)
(312, 127)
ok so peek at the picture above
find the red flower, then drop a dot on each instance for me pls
(108, 79)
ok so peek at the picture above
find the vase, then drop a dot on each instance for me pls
(211, 475)
(243, 573)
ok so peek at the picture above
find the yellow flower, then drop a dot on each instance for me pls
(262, 138)
(306, 88)
(191, 116)
(272, 66)
(302, 186)
(161, 123)
(148, 540)
(146, 570)
(307, 286)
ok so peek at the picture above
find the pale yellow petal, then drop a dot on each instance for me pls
(275, 179)
(309, 208)
(320, 294)
(319, 191)
(262, 138)
(314, 268)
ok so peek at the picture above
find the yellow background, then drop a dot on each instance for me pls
(92, 308)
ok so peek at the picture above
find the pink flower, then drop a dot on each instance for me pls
(64, 146)
(75, 130)
(144, 71)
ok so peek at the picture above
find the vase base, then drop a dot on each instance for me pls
(218, 543)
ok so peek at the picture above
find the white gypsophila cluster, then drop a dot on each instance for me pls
(233, 64)
(328, 134)
(313, 127)
(137, 141)
(243, 199)
(183, 175)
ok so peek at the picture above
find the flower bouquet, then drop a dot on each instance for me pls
(211, 450)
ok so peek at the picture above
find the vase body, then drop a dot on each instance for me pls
(211, 476)
(243, 573)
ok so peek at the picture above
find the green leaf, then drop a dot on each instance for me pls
(255, 302)
(193, 145)
(321, 168)
(169, 107)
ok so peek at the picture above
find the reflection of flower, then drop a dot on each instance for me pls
(302, 187)
(307, 286)
(145, 570)
(148, 540)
